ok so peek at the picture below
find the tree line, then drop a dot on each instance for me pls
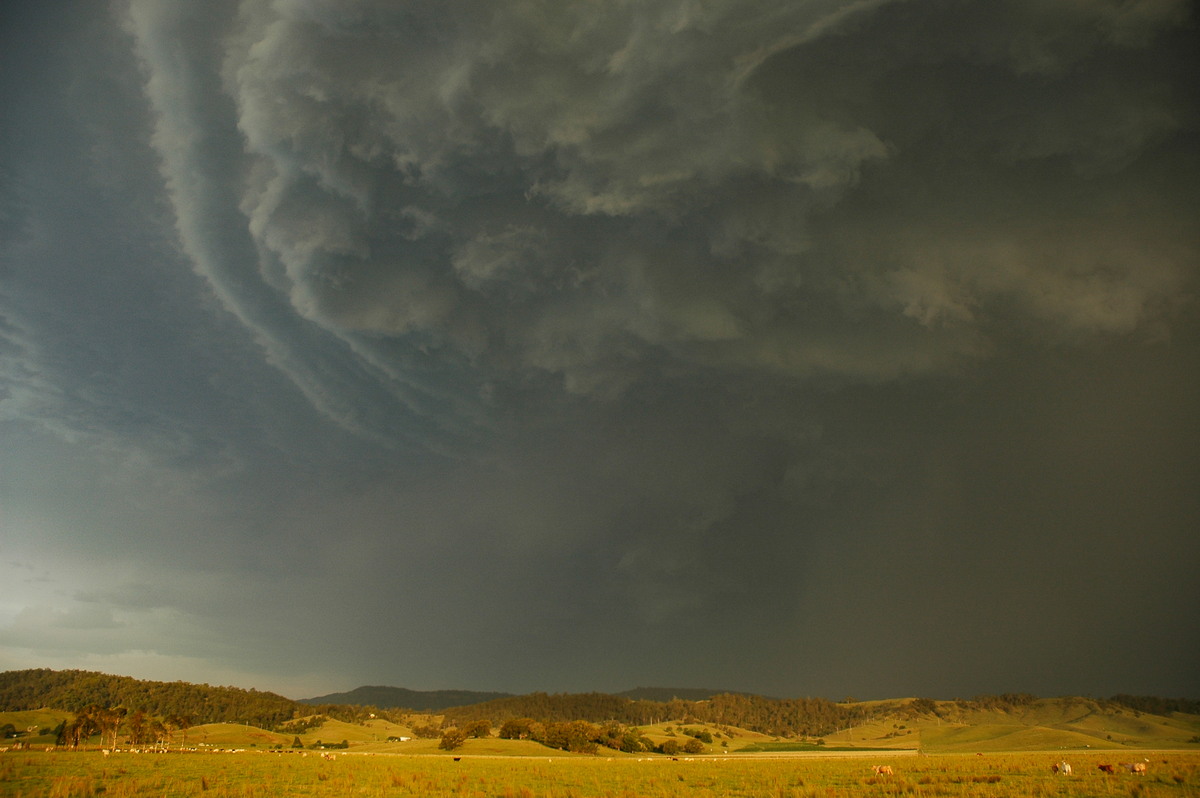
(76, 691)
(1154, 705)
(775, 716)
(141, 728)
(79, 691)
(90, 694)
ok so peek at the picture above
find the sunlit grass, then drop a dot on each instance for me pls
(82, 775)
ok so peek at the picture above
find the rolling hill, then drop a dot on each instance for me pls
(403, 698)
(374, 714)
(665, 694)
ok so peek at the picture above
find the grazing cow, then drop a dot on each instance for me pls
(1064, 768)
(1136, 768)
(1106, 768)
(882, 770)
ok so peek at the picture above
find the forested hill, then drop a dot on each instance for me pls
(74, 690)
(781, 717)
(402, 698)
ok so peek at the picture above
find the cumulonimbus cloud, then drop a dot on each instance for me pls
(498, 192)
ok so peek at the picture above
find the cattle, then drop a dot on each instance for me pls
(1064, 768)
(1136, 768)
(1106, 768)
(882, 770)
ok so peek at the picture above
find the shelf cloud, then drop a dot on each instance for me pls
(520, 345)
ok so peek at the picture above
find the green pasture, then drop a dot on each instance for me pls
(801, 747)
(40, 774)
(1001, 737)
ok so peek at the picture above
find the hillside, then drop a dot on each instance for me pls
(805, 717)
(1024, 723)
(73, 690)
(664, 694)
(984, 723)
(402, 698)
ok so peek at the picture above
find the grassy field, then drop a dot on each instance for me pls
(37, 774)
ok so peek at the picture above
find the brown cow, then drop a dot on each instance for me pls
(1106, 768)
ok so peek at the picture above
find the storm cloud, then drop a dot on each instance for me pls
(810, 348)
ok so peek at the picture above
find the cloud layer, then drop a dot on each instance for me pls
(585, 334)
(594, 197)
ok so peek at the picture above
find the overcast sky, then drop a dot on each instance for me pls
(817, 348)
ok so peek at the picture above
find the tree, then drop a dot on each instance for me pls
(693, 746)
(139, 725)
(184, 722)
(159, 733)
(428, 731)
(86, 723)
(516, 729)
(452, 738)
(296, 742)
(478, 729)
(923, 705)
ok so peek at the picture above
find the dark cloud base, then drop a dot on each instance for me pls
(835, 348)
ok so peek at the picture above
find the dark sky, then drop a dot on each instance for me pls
(819, 348)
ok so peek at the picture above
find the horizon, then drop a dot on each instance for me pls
(618, 693)
(827, 348)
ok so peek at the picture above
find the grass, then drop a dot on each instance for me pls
(1001, 737)
(794, 747)
(41, 721)
(246, 775)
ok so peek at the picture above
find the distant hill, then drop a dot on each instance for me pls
(984, 723)
(778, 717)
(674, 693)
(403, 698)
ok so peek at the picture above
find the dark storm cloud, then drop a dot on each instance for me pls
(719, 342)
(585, 194)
